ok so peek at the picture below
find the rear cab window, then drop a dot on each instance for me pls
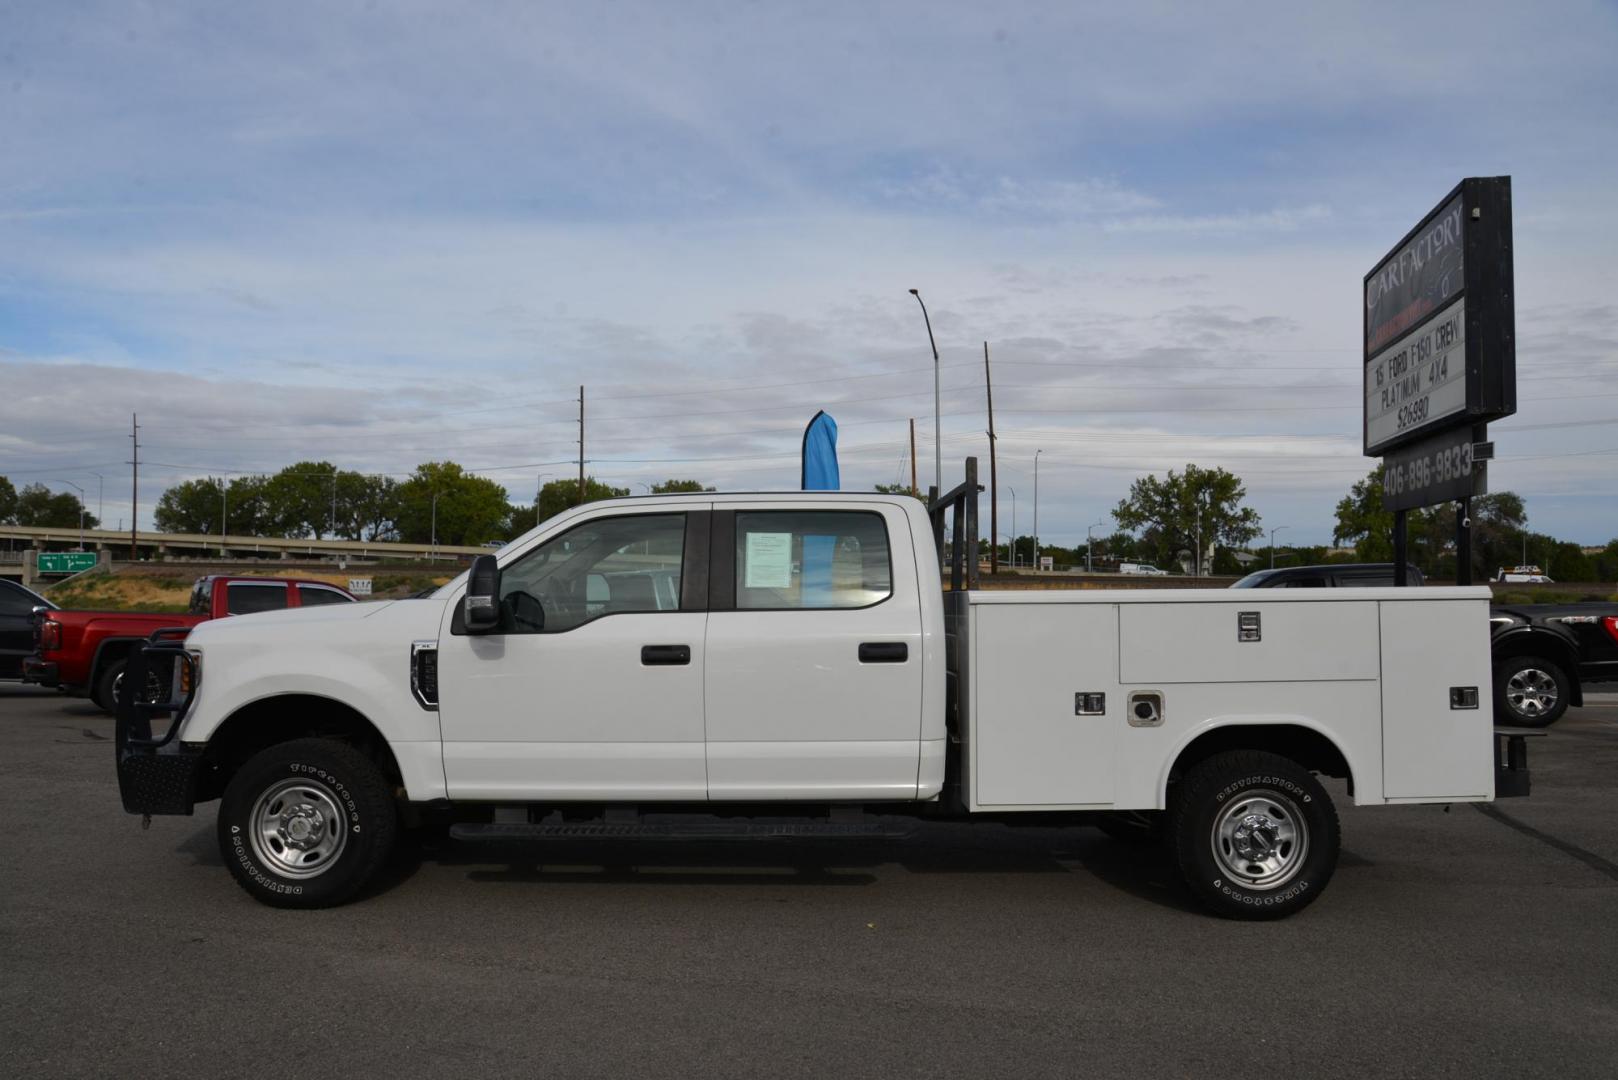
(246, 597)
(811, 560)
(317, 595)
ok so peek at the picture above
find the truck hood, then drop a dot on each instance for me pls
(335, 622)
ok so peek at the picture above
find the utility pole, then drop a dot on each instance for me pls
(581, 446)
(1013, 545)
(1090, 543)
(134, 484)
(994, 475)
(916, 491)
(334, 502)
(224, 512)
(1273, 531)
(101, 500)
(1036, 509)
(1199, 541)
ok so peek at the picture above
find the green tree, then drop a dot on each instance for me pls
(1165, 513)
(898, 489)
(367, 506)
(299, 499)
(559, 495)
(1363, 522)
(467, 509)
(37, 505)
(8, 502)
(1604, 566)
(191, 506)
(677, 487)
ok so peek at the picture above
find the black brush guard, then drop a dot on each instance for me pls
(156, 775)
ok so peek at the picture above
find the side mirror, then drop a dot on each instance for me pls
(481, 608)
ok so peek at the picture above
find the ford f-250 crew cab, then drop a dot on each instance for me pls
(85, 651)
(749, 656)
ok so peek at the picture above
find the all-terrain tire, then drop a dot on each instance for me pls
(306, 823)
(1255, 836)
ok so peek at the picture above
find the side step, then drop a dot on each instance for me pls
(680, 830)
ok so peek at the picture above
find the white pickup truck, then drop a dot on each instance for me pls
(694, 664)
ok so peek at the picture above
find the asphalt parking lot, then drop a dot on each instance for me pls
(1477, 942)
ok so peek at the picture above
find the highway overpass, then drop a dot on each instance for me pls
(15, 538)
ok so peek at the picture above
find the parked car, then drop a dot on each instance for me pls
(805, 670)
(17, 606)
(85, 651)
(1341, 575)
(1542, 654)
(1141, 569)
(1528, 575)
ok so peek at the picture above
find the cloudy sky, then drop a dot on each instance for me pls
(389, 233)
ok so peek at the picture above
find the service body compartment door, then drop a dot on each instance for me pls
(1430, 750)
(1029, 747)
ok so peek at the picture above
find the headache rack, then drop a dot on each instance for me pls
(961, 502)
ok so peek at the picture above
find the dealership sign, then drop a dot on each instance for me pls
(1444, 468)
(1439, 329)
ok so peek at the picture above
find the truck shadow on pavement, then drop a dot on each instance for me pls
(940, 851)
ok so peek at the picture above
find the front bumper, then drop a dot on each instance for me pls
(156, 775)
(43, 672)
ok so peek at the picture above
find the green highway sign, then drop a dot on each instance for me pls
(66, 562)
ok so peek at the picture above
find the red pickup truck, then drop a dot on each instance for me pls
(79, 651)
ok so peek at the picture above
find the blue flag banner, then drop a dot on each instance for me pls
(819, 474)
(820, 454)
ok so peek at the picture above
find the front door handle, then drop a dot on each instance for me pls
(884, 652)
(665, 655)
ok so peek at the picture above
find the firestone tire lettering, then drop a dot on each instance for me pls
(357, 787)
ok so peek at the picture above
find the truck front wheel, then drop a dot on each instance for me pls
(1255, 835)
(305, 824)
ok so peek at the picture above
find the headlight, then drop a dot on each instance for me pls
(188, 675)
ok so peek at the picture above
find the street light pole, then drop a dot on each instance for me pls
(1013, 525)
(1089, 543)
(101, 502)
(435, 525)
(1036, 510)
(81, 511)
(1273, 531)
(938, 437)
(224, 512)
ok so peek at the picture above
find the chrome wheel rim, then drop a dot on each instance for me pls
(1260, 840)
(1531, 692)
(297, 830)
(153, 687)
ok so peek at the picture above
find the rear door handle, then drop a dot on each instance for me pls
(884, 652)
(665, 655)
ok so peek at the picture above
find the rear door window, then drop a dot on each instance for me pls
(246, 597)
(811, 559)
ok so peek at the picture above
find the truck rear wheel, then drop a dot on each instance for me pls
(305, 824)
(1255, 835)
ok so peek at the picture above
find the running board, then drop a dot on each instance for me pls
(717, 830)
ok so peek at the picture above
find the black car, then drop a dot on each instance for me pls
(17, 626)
(1542, 653)
(1341, 576)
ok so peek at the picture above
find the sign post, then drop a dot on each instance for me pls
(1440, 357)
